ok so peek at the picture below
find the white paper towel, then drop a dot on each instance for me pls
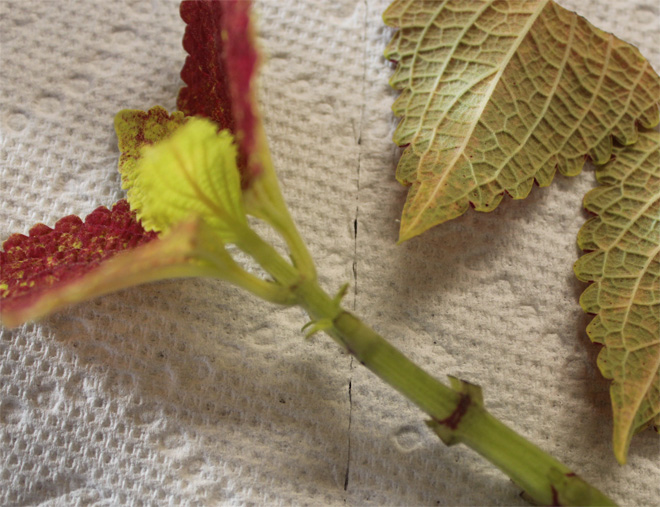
(191, 392)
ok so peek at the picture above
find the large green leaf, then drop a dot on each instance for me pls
(498, 94)
(624, 264)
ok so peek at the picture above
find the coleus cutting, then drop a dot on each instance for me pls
(73, 262)
(193, 192)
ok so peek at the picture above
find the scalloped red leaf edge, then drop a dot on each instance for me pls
(50, 258)
(218, 37)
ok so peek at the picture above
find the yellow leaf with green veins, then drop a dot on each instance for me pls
(192, 173)
(499, 94)
(624, 264)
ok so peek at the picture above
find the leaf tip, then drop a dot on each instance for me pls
(408, 231)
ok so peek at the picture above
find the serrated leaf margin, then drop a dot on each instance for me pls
(623, 241)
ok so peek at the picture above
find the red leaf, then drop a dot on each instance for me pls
(218, 72)
(207, 93)
(48, 258)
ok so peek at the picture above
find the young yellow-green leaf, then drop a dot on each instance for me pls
(624, 264)
(496, 95)
(136, 129)
(192, 173)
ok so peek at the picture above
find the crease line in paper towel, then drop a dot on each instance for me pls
(358, 141)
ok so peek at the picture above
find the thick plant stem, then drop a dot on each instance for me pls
(457, 412)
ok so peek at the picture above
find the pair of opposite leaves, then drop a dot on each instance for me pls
(495, 95)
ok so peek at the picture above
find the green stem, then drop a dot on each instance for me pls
(225, 268)
(269, 259)
(264, 200)
(457, 412)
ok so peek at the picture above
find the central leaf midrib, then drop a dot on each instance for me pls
(560, 72)
(505, 63)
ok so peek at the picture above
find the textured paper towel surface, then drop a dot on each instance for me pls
(191, 392)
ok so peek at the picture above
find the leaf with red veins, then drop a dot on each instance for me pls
(218, 72)
(76, 260)
(136, 129)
